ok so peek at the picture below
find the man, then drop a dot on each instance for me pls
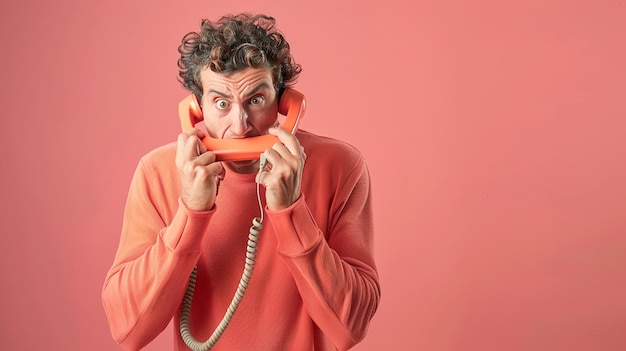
(315, 284)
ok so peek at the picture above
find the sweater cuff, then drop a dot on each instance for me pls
(187, 229)
(295, 228)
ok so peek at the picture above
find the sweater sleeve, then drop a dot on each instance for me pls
(335, 271)
(152, 264)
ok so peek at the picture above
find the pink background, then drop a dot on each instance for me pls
(494, 132)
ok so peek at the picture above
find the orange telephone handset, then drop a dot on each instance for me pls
(292, 105)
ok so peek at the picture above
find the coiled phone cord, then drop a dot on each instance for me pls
(253, 237)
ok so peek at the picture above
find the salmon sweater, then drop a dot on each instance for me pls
(315, 284)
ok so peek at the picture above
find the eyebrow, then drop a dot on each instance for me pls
(252, 92)
(218, 93)
(257, 88)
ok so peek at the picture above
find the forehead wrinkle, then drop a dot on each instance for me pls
(220, 93)
(256, 88)
(250, 85)
(241, 83)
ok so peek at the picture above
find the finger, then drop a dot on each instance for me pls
(180, 146)
(195, 132)
(264, 178)
(201, 147)
(272, 158)
(282, 151)
(216, 169)
(193, 147)
(205, 159)
(197, 135)
(289, 140)
(302, 152)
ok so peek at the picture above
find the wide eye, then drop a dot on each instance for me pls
(257, 100)
(222, 104)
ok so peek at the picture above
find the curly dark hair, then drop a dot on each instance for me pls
(233, 43)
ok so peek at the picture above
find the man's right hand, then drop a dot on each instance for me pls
(199, 173)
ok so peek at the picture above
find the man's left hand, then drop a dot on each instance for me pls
(282, 175)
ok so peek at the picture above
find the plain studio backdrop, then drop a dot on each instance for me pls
(494, 133)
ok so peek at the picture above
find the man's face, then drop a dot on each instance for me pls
(240, 104)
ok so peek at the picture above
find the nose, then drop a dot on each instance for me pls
(239, 124)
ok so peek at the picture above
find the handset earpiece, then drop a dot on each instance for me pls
(190, 112)
(195, 109)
